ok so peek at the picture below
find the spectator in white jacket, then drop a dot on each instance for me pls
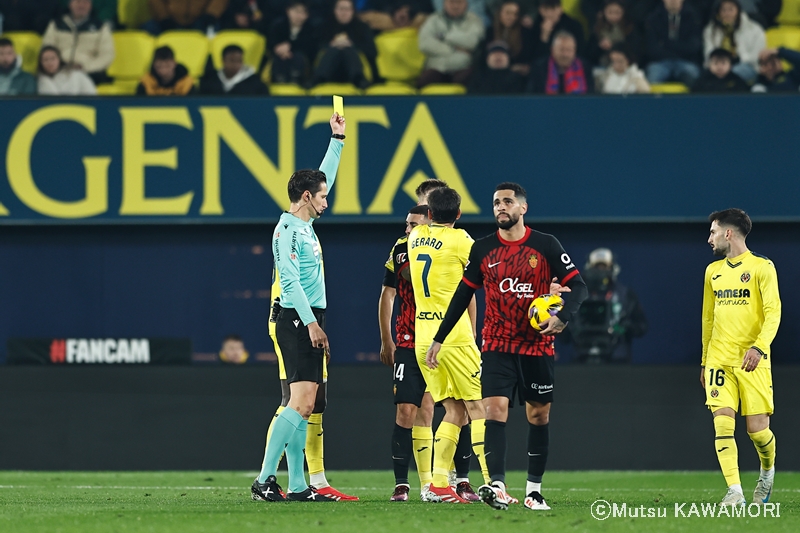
(85, 43)
(622, 76)
(449, 39)
(55, 79)
(731, 29)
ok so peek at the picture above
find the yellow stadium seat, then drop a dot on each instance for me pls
(399, 58)
(286, 89)
(443, 88)
(252, 43)
(392, 88)
(118, 88)
(790, 12)
(786, 36)
(134, 54)
(668, 88)
(190, 47)
(133, 13)
(27, 45)
(344, 89)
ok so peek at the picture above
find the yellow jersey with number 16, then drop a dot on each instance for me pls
(437, 256)
(741, 310)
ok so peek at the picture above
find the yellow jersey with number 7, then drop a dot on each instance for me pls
(437, 256)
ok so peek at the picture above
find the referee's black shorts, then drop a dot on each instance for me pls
(302, 361)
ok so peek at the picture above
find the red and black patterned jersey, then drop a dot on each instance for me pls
(397, 262)
(513, 274)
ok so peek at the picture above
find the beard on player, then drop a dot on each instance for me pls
(509, 223)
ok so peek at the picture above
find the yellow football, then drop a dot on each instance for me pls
(543, 307)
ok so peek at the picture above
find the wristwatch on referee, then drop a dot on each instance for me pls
(338, 136)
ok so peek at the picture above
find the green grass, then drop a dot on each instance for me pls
(220, 501)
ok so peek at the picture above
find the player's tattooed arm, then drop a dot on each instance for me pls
(552, 326)
(385, 306)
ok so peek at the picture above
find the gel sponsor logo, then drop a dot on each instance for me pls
(522, 290)
(111, 351)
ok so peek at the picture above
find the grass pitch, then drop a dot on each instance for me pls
(184, 502)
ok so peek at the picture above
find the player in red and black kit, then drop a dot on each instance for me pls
(414, 407)
(515, 265)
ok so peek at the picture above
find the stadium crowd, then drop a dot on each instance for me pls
(475, 46)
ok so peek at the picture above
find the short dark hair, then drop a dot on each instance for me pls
(428, 185)
(733, 217)
(721, 53)
(519, 191)
(163, 53)
(419, 210)
(444, 204)
(295, 3)
(305, 180)
(550, 3)
(5, 41)
(232, 337)
(231, 48)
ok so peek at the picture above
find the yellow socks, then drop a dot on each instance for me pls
(478, 431)
(764, 441)
(725, 445)
(422, 438)
(314, 445)
(444, 449)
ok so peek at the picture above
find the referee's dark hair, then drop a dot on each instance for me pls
(519, 191)
(428, 185)
(419, 210)
(444, 204)
(733, 217)
(305, 180)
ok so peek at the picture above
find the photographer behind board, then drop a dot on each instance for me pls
(609, 319)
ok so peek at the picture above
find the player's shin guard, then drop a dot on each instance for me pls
(315, 452)
(295, 458)
(444, 449)
(538, 448)
(463, 452)
(479, 446)
(764, 442)
(495, 449)
(725, 445)
(283, 428)
(401, 453)
(422, 443)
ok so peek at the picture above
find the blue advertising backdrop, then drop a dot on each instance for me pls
(68, 269)
(227, 160)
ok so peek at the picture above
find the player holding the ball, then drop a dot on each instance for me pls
(515, 265)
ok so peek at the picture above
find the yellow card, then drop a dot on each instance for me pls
(338, 105)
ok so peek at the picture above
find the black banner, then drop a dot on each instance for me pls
(84, 351)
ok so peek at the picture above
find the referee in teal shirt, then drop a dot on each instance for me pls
(300, 326)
